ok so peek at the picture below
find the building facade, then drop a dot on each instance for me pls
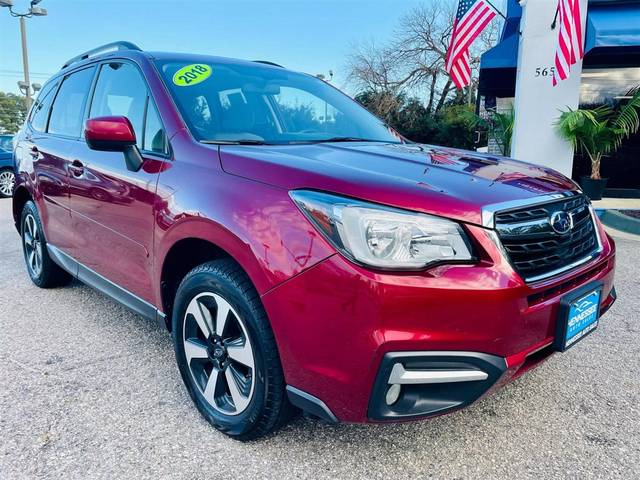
(611, 70)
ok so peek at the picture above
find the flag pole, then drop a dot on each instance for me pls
(555, 19)
(497, 11)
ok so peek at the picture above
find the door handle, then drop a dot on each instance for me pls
(76, 168)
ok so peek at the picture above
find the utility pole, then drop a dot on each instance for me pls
(322, 77)
(25, 60)
(34, 11)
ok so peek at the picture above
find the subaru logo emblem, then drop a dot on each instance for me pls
(561, 222)
(218, 352)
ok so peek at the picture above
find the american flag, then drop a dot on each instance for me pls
(439, 157)
(570, 42)
(472, 17)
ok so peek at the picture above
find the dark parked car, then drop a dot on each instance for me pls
(300, 252)
(7, 177)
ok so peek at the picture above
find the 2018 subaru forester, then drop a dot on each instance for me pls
(301, 252)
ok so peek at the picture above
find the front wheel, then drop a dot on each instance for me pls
(7, 180)
(226, 352)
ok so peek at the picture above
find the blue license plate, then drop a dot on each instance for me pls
(581, 318)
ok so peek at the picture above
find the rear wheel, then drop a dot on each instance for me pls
(226, 352)
(42, 270)
(7, 180)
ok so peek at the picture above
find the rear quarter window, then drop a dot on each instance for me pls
(41, 108)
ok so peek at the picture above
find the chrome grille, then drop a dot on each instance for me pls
(535, 249)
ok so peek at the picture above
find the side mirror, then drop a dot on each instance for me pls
(111, 134)
(114, 134)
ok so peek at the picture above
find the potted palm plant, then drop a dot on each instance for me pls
(598, 132)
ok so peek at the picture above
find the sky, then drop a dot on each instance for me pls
(312, 36)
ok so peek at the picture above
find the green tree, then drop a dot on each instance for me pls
(453, 128)
(410, 117)
(12, 112)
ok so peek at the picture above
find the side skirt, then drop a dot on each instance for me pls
(104, 285)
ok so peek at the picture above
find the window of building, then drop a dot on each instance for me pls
(610, 86)
(607, 85)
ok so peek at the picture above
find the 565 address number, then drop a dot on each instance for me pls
(545, 71)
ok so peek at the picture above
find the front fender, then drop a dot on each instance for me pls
(257, 225)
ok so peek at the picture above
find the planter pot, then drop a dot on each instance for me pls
(593, 188)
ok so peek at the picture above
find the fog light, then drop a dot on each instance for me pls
(392, 394)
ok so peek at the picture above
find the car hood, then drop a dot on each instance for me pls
(437, 180)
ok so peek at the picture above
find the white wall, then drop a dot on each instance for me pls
(538, 103)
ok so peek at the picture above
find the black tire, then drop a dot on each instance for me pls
(49, 274)
(7, 180)
(267, 406)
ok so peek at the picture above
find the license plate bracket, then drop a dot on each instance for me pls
(578, 316)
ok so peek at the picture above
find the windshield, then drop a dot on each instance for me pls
(6, 143)
(241, 103)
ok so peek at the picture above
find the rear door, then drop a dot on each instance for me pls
(49, 143)
(112, 208)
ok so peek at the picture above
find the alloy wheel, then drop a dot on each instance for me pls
(7, 179)
(219, 353)
(32, 245)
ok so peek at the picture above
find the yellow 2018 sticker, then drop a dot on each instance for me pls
(191, 74)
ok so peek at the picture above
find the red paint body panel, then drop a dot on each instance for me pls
(333, 320)
(257, 224)
(112, 218)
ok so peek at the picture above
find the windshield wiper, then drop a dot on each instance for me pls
(247, 141)
(251, 141)
(343, 139)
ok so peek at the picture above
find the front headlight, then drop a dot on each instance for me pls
(384, 237)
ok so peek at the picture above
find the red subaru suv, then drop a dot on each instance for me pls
(301, 253)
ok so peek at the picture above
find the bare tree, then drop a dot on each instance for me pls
(414, 60)
(420, 45)
(371, 71)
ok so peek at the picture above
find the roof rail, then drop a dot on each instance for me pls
(267, 62)
(121, 45)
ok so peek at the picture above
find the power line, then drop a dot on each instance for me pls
(19, 72)
(6, 75)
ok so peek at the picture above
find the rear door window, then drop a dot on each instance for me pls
(67, 114)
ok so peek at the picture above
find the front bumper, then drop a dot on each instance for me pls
(336, 323)
(418, 384)
(422, 384)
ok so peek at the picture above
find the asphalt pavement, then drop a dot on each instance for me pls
(90, 390)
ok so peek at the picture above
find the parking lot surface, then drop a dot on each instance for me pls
(90, 390)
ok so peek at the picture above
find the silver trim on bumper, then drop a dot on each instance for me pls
(489, 211)
(399, 375)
